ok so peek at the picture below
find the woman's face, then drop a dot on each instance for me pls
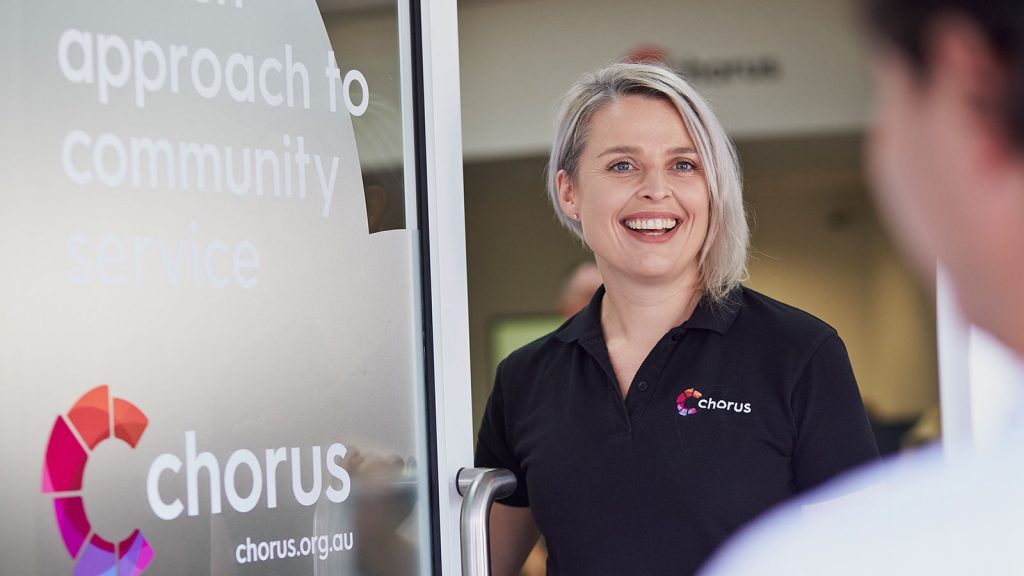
(640, 192)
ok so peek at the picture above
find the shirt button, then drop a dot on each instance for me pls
(677, 337)
(642, 385)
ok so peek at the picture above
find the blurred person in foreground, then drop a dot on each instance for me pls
(678, 404)
(947, 160)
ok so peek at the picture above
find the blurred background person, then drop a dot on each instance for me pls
(579, 288)
(947, 160)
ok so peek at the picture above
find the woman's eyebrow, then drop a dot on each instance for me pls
(620, 150)
(635, 149)
(683, 150)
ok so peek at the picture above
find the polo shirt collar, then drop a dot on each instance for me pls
(708, 315)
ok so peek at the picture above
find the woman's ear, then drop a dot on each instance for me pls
(567, 195)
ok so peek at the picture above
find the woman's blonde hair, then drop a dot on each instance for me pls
(723, 257)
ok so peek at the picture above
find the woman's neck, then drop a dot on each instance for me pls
(642, 313)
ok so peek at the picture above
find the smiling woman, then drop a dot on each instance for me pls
(590, 418)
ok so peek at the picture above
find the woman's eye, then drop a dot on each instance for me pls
(620, 166)
(685, 165)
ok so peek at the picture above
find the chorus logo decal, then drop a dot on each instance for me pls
(685, 403)
(681, 402)
(92, 420)
(174, 484)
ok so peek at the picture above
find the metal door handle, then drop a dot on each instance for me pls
(479, 488)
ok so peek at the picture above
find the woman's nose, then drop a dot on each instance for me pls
(654, 186)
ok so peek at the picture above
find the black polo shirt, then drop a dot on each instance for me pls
(738, 408)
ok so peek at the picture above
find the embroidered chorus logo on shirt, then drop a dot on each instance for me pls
(691, 396)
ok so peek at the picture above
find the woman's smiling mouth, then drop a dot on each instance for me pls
(651, 226)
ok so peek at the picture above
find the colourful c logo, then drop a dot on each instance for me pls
(681, 401)
(93, 417)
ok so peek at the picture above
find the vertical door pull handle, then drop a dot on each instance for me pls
(479, 488)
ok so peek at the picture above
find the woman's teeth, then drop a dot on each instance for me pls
(651, 225)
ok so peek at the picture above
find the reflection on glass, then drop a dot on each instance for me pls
(384, 500)
(379, 130)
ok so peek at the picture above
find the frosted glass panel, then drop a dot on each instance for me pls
(208, 364)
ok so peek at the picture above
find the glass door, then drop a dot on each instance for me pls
(233, 316)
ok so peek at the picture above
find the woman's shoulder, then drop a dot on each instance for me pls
(766, 315)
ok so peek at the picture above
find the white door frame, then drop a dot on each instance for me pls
(449, 300)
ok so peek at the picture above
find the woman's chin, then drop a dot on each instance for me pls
(655, 273)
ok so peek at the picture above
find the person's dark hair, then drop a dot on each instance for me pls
(905, 25)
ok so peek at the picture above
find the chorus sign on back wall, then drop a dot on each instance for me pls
(182, 225)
